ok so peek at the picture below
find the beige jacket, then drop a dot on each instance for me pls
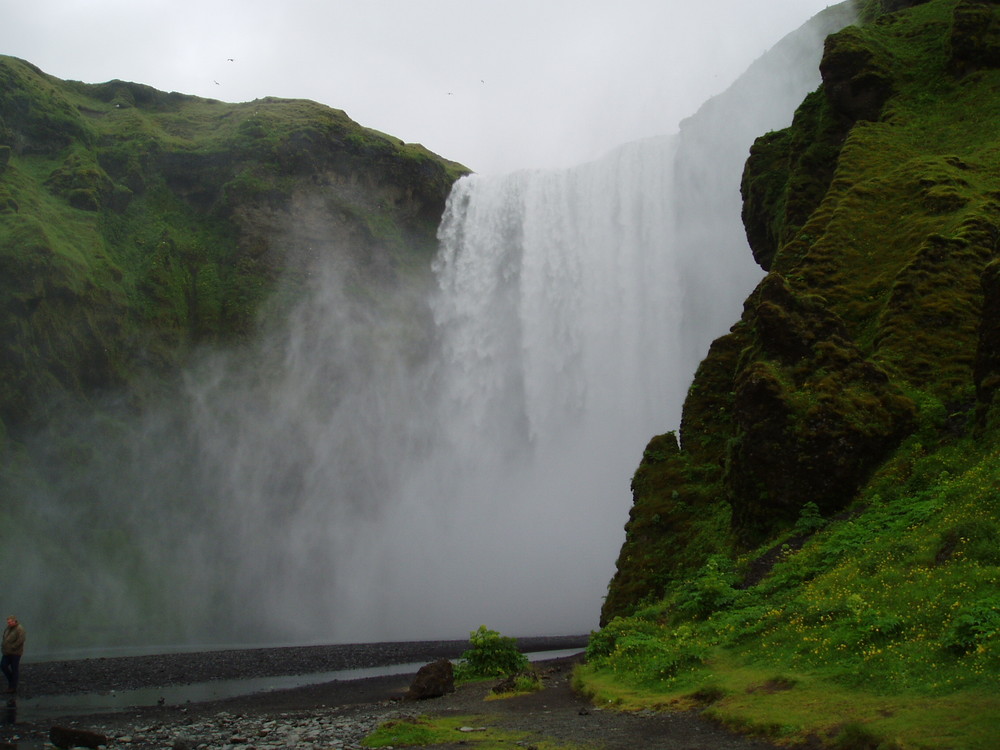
(13, 641)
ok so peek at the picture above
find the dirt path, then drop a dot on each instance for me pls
(557, 713)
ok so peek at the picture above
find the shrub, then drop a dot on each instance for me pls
(491, 655)
(602, 643)
(973, 626)
(709, 591)
(810, 520)
(650, 660)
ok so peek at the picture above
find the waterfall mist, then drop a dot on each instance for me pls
(417, 466)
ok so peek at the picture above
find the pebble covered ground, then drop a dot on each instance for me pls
(328, 715)
(334, 729)
(338, 715)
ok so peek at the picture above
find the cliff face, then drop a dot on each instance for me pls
(136, 224)
(877, 217)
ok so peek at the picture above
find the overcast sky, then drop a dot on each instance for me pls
(495, 84)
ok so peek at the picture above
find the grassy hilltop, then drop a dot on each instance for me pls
(816, 556)
(137, 224)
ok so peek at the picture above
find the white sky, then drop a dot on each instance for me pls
(495, 84)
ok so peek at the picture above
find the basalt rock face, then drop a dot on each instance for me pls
(877, 216)
(137, 224)
(812, 414)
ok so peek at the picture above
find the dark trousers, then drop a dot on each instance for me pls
(10, 665)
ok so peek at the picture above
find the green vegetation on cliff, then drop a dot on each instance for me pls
(814, 556)
(137, 224)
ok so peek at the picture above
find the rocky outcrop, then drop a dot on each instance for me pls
(813, 416)
(856, 75)
(789, 172)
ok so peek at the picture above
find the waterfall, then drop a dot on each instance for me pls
(558, 303)
(337, 482)
(557, 317)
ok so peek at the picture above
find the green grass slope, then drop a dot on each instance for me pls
(816, 556)
(137, 224)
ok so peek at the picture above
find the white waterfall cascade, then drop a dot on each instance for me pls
(336, 486)
(558, 318)
(487, 483)
(573, 308)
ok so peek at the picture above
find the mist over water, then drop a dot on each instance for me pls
(414, 468)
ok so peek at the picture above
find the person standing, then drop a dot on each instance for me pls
(12, 646)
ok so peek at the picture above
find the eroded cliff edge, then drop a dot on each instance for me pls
(877, 217)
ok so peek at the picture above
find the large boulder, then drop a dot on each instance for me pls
(67, 737)
(432, 681)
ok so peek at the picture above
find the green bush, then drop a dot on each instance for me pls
(654, 660)
(603, 643)
(810, 520)
(491, 655)
(711, 590)
(973, 626)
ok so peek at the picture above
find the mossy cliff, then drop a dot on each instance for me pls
(877, 217)
(136, 224)
(828, 511)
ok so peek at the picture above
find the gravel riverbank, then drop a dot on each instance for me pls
(120, 673)
(338, 715)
